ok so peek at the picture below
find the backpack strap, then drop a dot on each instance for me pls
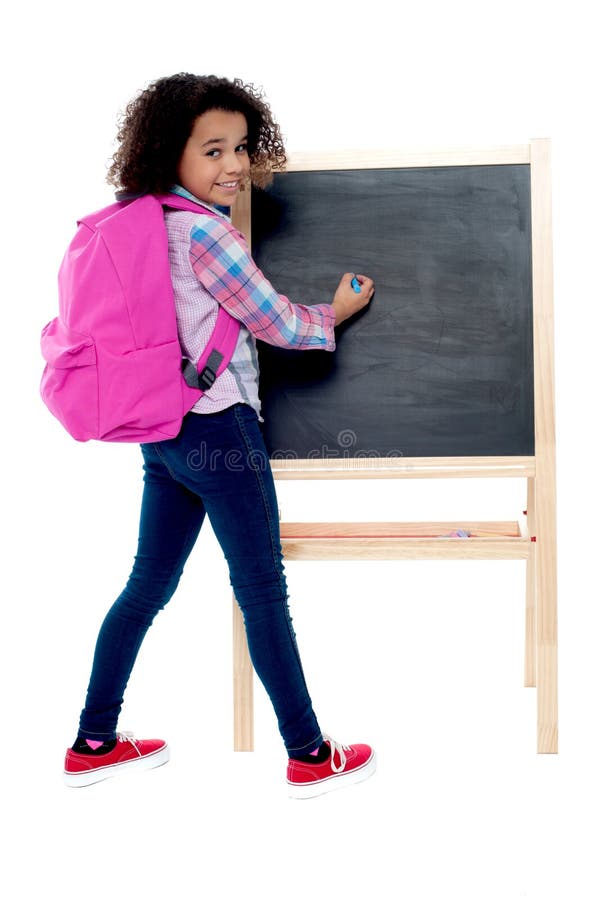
(221, 346)
(217, 353)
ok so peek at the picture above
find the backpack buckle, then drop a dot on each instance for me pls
(205, 379)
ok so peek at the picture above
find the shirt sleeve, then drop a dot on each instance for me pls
(221, 261)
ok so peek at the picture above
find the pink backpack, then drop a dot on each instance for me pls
(114, 368)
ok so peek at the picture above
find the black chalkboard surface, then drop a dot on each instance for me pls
(441, 363)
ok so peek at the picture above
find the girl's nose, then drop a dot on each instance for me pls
(232, 164)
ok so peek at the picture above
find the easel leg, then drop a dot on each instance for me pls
(547, 699)
(243, 686)
(546, 546)
(530, 651)
(546, 645)
(545, 493)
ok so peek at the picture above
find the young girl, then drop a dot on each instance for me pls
(206, 138)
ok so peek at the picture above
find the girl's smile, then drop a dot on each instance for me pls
(215, 162)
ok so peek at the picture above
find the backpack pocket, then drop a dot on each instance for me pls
(141, 397)
(69, 386)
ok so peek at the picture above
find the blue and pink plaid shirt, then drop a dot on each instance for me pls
(211, 265)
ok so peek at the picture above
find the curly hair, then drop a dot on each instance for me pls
(156, 124)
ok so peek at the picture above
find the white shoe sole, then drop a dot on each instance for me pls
(139, 764)
(333, 782)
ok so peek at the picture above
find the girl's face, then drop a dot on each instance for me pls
(215, 163)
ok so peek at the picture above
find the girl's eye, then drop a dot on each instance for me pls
(214, 154)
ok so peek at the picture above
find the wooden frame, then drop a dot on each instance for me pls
(534, 542)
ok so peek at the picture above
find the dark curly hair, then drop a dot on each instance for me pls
(156, 124)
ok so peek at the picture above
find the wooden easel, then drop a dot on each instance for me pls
(535, 543)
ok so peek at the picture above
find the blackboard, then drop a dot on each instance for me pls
(441, 363)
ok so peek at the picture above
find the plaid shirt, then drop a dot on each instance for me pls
(211, 265)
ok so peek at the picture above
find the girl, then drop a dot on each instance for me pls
(206, 138)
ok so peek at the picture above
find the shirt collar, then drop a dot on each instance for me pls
(183, 192)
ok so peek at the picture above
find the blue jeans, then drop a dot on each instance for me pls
(217, 465)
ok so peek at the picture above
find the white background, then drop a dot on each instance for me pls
(423, 660)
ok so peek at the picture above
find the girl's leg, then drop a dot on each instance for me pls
(170, 521)
(222, 457)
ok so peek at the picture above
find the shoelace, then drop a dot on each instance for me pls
(128, 736)
(339, 748)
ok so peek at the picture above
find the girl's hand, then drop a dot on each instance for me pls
(346, 301)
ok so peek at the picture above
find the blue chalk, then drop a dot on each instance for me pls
(356, 285)
(460, 533)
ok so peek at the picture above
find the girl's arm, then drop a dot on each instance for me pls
(222, 263)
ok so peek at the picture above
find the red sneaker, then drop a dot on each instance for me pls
(346, 765)
(129, 755)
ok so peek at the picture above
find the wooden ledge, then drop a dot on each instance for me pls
(403, 540)
(405, 467)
